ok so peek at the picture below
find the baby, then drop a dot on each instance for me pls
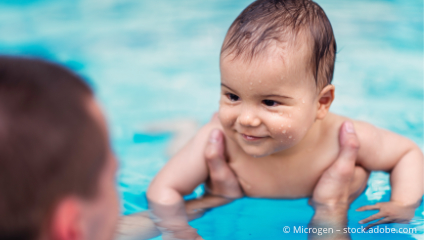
(277, 64)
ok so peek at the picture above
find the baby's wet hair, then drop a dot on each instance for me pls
(266, 21)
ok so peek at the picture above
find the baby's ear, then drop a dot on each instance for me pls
(325, 99)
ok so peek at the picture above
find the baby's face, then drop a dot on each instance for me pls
(269, 104)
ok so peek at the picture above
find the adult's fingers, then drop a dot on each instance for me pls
(349, 143)
(344, 167)
(334, 184)
(222, 181)
(214, 152)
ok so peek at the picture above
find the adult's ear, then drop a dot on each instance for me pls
(325, 99)
(66, 221)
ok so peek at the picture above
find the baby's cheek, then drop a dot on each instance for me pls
(290, 128)
(285, 131)
(226, 116)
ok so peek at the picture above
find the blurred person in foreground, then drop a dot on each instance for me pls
(57, 170)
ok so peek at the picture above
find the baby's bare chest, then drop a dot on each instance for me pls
(281, 178)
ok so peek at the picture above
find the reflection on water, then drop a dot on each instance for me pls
(158, 60)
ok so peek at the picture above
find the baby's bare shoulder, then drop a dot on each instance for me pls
(380, 149)
(333, 122)
(362, 129)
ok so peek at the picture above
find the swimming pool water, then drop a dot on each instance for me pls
(151, 61)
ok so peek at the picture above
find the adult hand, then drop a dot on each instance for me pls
(342, 182)
(222, 186)
(222, 180)
(338, 186)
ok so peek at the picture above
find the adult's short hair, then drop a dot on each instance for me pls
(50, 145)
(265, 21)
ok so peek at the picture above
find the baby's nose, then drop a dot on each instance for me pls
(249, 120)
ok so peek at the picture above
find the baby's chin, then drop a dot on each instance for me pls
(258, 151)
(264, 150)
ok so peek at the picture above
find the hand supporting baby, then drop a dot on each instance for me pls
(340, 184)
(343, 181)
(222, 186)
(335, 187)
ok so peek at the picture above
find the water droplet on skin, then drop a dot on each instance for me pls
(303, 101)
(289, 126)
(284, 131)
(290, 136)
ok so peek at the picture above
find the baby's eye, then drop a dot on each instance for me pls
(232, 97)
(270, 103)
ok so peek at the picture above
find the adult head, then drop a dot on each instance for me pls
(57, 171)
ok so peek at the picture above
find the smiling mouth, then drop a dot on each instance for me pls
(251, 138)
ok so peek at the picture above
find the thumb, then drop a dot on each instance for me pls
(333, 186)
(214, 151)
(349, 143)
(344, 167)
(223, 181)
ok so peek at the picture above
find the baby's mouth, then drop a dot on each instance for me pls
(251, 138)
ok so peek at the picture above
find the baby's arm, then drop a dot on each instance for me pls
(386, 151)
(185, 171)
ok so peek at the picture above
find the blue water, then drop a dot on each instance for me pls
(157, 60)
